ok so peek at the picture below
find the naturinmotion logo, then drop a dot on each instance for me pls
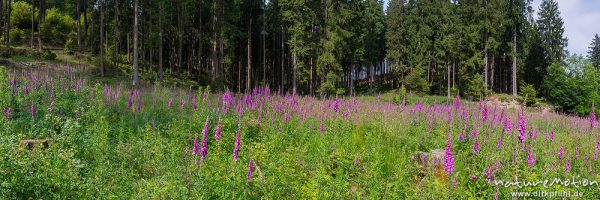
(573, 182)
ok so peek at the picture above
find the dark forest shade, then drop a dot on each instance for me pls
(470, 47)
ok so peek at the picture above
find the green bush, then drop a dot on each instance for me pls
(416, 82)
(17, 34)
(20, 15)
(474, 88)
(48, 55)
(528, 94)
(57, 27)
(69, 46)
(573, 85)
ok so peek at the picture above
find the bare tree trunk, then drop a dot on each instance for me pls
(492, 73)
(294, 63)
(32, 21)
(116, 51)
(239, 82)
(282, 61)
(160, 43)
(180, 38)
(200, 45)
(264, 54)
(350, 77)
(249, 57)
(1, 4)
(135, 42)
(215, 56)
(85, 24)
(485, 65)
(102, 38)
(448, 79)
(7, 36)
(78, 18)
(311, 76)
(514, 64)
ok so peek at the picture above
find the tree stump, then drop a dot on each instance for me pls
(431, 162)
(34, 143)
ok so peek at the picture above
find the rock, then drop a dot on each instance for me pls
(34, 143)
(431, 162)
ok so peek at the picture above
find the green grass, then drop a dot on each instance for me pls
(102, 148)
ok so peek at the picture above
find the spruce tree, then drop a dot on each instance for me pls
(594, 52)
(551, 27)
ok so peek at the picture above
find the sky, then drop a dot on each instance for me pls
(581, 19)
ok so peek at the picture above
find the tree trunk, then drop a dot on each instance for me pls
(282, 61)
(85, 24)
(116, 51)
(179, 38)
(215, 42)
(514, 64)
(135, 43)
(492, 73)
(294, 63)
(78, 17)
(249, 57)
(1, 4)
(448, 79)
(32, 21)
(485, 64)
(350, 78)
(264, 54)
(7, 36)
(101, 38)
(160, 44)
(311, 76)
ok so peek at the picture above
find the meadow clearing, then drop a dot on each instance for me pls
(113, 141)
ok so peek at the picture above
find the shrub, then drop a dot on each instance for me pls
(573, 85)
(17, 34)
(415, 82)
(48, 55)
(475, 87)
(20, 15)
(528, 94)
(57, 27)
(69, 47)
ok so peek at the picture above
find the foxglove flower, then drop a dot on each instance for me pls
(195, 151)
(499, 143)
(522, 128)
(484, 113)
(170, 103)
(236, 149)
(568, 165)
(531, 157)
(204, 149)
(7, 114)
(476, 147)
(552, 135)
(561, 152)
(33, 111)
(457, 102)
(448, 157)
(218, 131)
(194, 103)
(321, 128)
(593, 119)
(51, 107)
(250, 170)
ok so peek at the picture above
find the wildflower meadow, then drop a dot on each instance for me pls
(116, 141)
